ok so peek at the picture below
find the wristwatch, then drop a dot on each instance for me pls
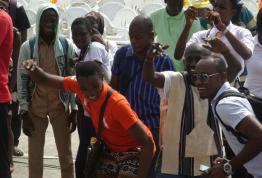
(228, 168)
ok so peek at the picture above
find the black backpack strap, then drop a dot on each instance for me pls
(241, 138)
(31, 46)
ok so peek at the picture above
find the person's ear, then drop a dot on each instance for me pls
(152, 35)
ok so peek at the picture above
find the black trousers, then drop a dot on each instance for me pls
(16, 123)
(85, 131)
(4, 142)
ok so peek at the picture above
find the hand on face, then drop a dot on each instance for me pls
(156, 49)
(214, 18)
(96, 36)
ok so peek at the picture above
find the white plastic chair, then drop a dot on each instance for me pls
(24, 3)
(72, 13)
(148, 9)
(101, 2)
(124, 17)
(81, 4)
(110, 9)
(114, 33)
(31, 14)
(34, 4)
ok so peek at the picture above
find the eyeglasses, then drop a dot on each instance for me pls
(203, 77)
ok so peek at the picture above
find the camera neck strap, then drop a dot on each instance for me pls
(101, 115)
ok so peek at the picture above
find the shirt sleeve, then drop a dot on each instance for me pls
(4, 27)
(99, 53)
(232, 110)
(123, 113)
(71, 85)
(247, 39)
(116, 68)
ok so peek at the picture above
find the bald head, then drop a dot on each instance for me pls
(143, 22)
(214, 63)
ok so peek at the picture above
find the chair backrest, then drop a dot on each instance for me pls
(31, 14)
(110, 9)
(148, 9)
(124, 17)
(101, 2)
(24, 3)
(72, 13)
(81, 4)
(34, 4)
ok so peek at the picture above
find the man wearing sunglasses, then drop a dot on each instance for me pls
(235, 112)
(187, 128)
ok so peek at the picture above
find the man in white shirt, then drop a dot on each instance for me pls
(235, 112)
(238, 39)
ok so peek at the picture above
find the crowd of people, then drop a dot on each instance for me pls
(155, 103)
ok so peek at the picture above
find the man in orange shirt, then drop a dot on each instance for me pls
(123, 132)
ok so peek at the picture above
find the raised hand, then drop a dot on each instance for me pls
(156, 49)
(216, 45)
(190, 15)
(214, 18)
(29, 65)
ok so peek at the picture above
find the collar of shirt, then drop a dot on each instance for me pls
(225, 87)
(256, 42)
(177, 17)
(42, 42)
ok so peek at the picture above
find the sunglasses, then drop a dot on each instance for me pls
(202, 77)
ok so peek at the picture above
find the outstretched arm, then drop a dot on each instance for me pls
(41, 77)
(155, 78)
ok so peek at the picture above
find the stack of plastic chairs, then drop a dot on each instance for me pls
(110, 9)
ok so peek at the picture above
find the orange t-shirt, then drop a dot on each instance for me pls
(118, 116)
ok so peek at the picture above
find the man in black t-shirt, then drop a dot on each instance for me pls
(19, 18)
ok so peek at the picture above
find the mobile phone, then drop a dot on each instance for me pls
(202, 12)
(203, 168)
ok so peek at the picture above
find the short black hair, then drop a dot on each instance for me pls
(259, 21)
(144, 22)
(88, 68)
(196, 49)
(220, 64)
(82, 21)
